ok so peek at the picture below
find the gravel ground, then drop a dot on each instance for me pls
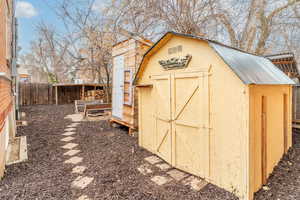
(284, 182)
(111, 158)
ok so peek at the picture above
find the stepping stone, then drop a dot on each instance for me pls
(195, 183)
(71, 152)
(74, 160)
(74, 117)
(69, 129)
(67, 139)
(153, 159)
(83, 197)
(73, 125)
(160, 180)
(69, 146)
(163, 166)
(144, 169)
(82, 182)
(177, 175)
(78, 169)
(68, 133)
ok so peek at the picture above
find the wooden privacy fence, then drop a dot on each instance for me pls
(45, 93)
(36, 93)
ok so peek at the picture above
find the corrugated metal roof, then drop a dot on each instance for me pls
(251, 69)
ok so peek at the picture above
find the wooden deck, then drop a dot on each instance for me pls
(131, 129)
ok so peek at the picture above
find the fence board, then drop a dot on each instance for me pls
(35, 94)
(43, 93)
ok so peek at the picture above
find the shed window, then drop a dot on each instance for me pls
(128, 73)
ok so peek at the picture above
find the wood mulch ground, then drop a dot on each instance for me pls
(112, 158)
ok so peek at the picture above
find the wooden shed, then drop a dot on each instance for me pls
(127, 56)
(286, 62)
(214, 111)
(69, 92)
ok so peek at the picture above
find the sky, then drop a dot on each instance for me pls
(32, 12)
(29, 14)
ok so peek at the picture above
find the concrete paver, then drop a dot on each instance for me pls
(72, 152)
(68, 133)
(177, 175)
(153, 159)
(82, 182)
(67, 139)
(144, 169)
(78, 169)
(69, 146)
(160, 180)
(74, 160)
(163, 166)
(195, 183)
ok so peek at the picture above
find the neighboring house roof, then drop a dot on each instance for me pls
(250, 68)
(286, 62)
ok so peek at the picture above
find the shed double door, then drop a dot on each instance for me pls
(182, 121)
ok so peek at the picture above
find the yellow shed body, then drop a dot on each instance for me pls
(198, 115)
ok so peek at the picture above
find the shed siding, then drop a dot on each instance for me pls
(146, 119)
(229, 112)
(230, 129)
(132, 51)
(274, 95)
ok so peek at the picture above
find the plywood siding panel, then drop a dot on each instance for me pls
(147, 129)
(274, 128)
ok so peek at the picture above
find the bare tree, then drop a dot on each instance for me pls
(257, 26)
(53, 52)
(48, 54)
(90, 37)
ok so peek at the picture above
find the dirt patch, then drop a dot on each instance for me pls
(111, 158)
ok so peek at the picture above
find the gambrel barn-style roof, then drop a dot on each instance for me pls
(250, 68)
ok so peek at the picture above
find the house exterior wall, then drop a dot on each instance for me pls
(275, 125)
(6, 95)
(228, 111)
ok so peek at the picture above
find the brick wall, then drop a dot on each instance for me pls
(5, 38)
(6, 97)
